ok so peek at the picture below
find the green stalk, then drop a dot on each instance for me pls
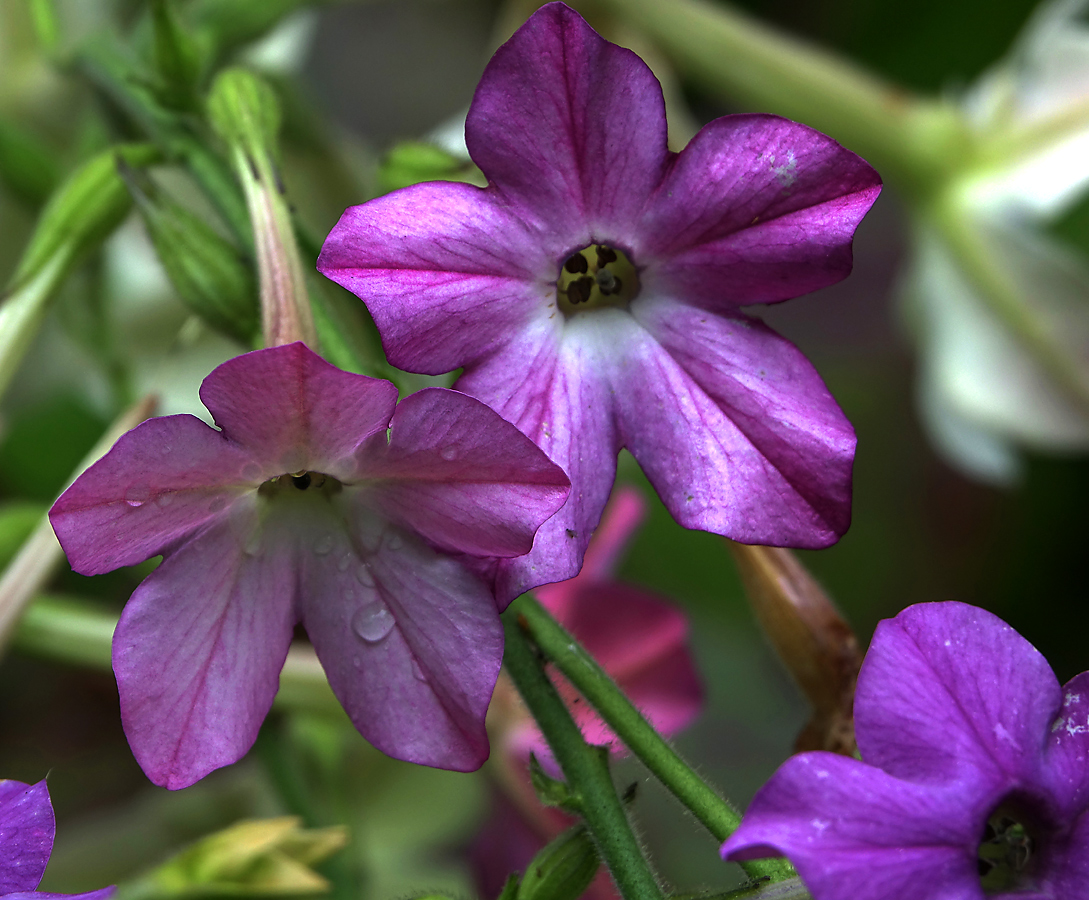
(582, 670)
(586, 769)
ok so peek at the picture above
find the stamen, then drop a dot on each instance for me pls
(597, 276)
(302, 482)
(576, 264)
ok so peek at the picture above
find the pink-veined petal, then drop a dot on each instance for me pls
(950, 690)
(101, 894)
(160, 482)
(854, 831)
(293, 411)
(553, 392)
(447, 271)
(409, 638)
(778, 471)
(755, 209)
(570, 129)
(458, 474)
(1068, 747)
(26, 834)
(199, 648)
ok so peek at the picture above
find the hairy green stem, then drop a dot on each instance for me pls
(586, 769)
(582, 670)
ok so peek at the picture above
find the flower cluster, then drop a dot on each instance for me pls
(973, 777)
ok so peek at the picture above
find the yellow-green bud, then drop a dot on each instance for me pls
(245, 113)
(563, 869)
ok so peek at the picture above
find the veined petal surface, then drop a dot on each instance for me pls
(462, 477)
(26, 834)
(199, 648)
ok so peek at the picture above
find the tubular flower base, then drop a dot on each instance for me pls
(592, 292)
(323, 501)
(26, 841)
(975, 781)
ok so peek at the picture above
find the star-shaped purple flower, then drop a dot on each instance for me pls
(26, 841)
(975, 780)
(593, 292)
(323, 501)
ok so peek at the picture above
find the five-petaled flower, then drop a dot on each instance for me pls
(975, 779)
(323, 501)
(26, 841)
(592, 292)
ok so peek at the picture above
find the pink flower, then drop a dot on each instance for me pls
(26, 842)
(317, 502)
(592, 292)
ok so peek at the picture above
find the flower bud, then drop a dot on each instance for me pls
(208, 273)
(562, 869)
(28, 167)
(177, 60)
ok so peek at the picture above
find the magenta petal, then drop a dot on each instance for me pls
(199, 648)
(754, 210)
(101, 894)
(293, 411)
(410, 640)
(447, 272)
(1068, 747)
(570, 129)
(770, 453)
(159, 483)
(26, 834)
(462, 477)
(949, 690)
(853, 831)
(554, 393)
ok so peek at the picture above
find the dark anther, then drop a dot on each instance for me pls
(576, 264)
(579, 291)
(605, 255)
(302, 482)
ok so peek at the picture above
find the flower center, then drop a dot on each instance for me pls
(300, 482)
(1005, 853)
(597, 276)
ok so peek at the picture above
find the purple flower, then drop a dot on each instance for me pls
(975, 781)
(593, 292)
(26, 840)
(316, 502)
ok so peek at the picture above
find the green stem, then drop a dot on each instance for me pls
(586, 769)
(752, 63)
(716, 815)
(75, 631)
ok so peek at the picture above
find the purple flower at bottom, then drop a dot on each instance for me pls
(320, 500)
(592, 292)
(975, 779)
(26, 841)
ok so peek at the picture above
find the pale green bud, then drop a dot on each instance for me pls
(562, 869)
(245, 113)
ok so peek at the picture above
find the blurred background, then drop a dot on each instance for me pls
(364, 76)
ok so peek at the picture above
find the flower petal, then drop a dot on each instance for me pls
(292, 410)
(199, 648)
(732, 425)
(410, 640)
(1068, 749)
(949, 691)
(159, 483)
(26, 834)
(570, 129)
(101, 894)
(446, 270)
(553, 392)
(755, 209)
(851, 830)
(462, 477)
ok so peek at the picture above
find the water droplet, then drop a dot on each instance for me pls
(251, 472)
(323, 544)
(218, 504)
(372, 622)
(343, 562)
(364, 577)
(137, 495)
(164, 500)
(394, 542)
(418, 671)
(449, 453)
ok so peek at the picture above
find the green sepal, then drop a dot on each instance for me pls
(551, 791)
(176, 57)
(28, 168)
(510, 887)
(413, 162)
(207, 271)
(563, 868)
